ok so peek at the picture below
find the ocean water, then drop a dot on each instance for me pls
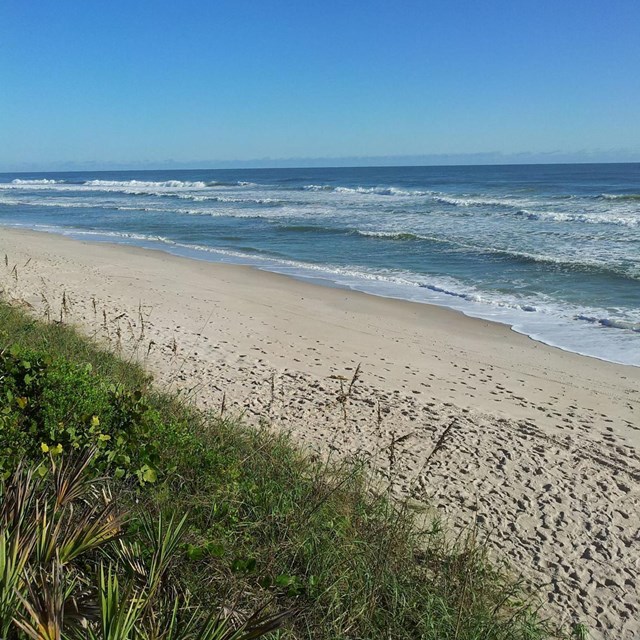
(551, 250)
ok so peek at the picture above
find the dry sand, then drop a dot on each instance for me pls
(544, 452)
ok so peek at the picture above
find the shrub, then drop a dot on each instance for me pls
(68, 569)
(55, 406)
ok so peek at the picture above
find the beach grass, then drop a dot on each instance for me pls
(268, 527)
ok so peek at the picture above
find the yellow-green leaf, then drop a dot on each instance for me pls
(149, 475)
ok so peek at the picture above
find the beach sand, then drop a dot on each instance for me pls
(544, 448)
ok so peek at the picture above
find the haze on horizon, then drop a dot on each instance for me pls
(283, 83)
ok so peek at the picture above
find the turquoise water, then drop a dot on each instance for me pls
(551, 250)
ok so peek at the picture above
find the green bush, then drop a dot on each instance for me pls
(87, 577)
(55, 406)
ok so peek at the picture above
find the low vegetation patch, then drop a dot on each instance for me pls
(256, 534)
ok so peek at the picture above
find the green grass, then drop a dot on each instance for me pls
(266, 524)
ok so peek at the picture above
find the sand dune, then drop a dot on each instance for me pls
(543, 451)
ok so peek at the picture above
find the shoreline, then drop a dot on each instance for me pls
(545, 449)
(322, 281)
(514, 318)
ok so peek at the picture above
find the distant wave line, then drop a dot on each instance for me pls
(632, 197)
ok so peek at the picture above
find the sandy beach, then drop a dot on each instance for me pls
(544, 448)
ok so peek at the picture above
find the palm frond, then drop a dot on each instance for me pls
(70, 478)
(44, 604)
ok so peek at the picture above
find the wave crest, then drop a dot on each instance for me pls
(380, 191)
(611, 323)
(175, 184)
(43, 181)
(391, 235)
(630, 197)
(583, 218)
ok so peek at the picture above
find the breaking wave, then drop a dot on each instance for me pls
(630, 197)
(582, 218)
(168, 184)
(19, 181)
(611, 323)
(380, 191)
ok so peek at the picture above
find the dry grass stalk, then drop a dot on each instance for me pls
(379, 419)
(65, 306)
(391, 448)
(356, 375)
(440, 443)
(223, 404)
(345, 395)
(47, 307)
(272, 386)
(141, 318)
(132, 332)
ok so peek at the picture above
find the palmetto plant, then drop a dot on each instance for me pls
(67, 571)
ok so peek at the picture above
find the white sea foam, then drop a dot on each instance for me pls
(479, 201)
(44, 181)
(167, 184)
(569, 261)
(583, 218)
(173, 184)
(611, 322)
(381, 191)
(633, 197)
(45, 203)
(126, 186)
(435, 196)
(391, 235)
(201, 198)
(223, 192)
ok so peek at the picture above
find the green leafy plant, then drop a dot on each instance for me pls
(51, 406)
(68, 570)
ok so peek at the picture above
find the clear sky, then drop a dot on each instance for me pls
(167, 82)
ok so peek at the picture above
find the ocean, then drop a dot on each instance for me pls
(551, 250)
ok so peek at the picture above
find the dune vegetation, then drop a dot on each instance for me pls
(125, 512)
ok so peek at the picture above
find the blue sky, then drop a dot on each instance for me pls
(163, 82)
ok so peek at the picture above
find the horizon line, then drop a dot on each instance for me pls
(126, 167)
(490, 158)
